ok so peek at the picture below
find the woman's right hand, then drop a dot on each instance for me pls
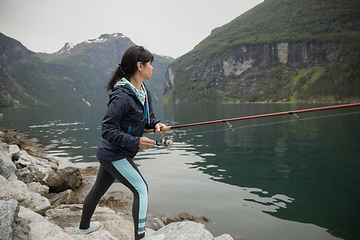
(146, 142)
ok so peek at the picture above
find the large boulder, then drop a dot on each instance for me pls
(224, 237)
(40, 228)
(27, 160)
(70, 178)
(8, 212)
(33, 169)
(188, 230)
(43, 175)
(185, 230)
(20, 228)
(14, 189)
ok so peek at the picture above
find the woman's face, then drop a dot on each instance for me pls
(147, 70)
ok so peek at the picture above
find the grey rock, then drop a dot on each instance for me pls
(26, 175)
(7, 167)
(40, 204)
(37, 187)
(15, 189)
(4, 147)
(31, 169)
(51, 179)
(185, 231)
(154, 223)
(224, 237)
(34, 173)
(40, 228)
(65, 197)
(27, 160)
(70, 178)
(8, 211)
(20, 228)
(14, 152)
(12, 177)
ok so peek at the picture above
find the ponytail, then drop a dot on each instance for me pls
(117, 74)
(128, 65)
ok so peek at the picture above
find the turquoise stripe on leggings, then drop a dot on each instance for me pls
(134, 178)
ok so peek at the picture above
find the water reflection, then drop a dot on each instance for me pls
(232, 209)
(307, 162)
(70, 133)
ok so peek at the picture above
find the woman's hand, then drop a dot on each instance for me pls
(146, 142)
(160, 128)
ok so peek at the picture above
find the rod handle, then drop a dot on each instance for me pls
(152, 130)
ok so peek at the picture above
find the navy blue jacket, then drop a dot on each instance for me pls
(124, 123)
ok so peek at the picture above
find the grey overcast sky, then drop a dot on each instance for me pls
(165, 27)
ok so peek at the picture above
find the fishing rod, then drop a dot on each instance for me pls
(255, 116)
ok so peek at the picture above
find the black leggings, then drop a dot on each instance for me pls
(126, 172)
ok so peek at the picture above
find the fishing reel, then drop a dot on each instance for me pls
(166, 142)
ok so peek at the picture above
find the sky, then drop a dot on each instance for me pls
(165, 27)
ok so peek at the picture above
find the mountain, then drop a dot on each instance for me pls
(89, 65)
(279, 51)
(79, 71)
(25, 80)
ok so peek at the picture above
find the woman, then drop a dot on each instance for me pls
(129, 112)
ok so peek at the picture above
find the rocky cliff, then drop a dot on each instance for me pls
(245, 70)
(279, 51)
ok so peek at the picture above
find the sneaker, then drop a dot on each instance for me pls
(155, 237)
(93, 227)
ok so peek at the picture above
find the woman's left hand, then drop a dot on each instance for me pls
(160, 128)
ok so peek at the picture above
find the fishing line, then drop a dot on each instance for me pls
(227, 121)
(264, 124)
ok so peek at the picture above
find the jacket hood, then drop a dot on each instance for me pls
(122, 82)
(140, 94)
(125, 86)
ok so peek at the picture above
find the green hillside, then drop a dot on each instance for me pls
(276, 21)
(291, 21)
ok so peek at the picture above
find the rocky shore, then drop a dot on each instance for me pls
(40, 201)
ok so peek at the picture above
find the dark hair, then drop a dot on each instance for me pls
(128, 65)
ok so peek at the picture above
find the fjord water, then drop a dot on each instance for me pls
(270, 178)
